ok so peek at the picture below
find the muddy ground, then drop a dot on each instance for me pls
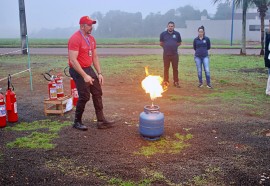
(230, 146)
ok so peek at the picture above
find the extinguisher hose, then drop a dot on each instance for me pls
(47, 76)
(67, 73)
(9, 83)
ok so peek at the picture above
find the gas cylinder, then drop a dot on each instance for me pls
(52, 89)
(3, 118)
(74, 92)
(59, 86)
(151, 125)
(11, 103)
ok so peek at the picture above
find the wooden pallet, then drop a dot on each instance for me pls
(57, 106)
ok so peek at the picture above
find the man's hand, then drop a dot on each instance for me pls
(89, 79)
(100, 79)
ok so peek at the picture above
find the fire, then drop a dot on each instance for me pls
(152, 85)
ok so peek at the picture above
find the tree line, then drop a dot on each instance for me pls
(120, 24)
(116, 23)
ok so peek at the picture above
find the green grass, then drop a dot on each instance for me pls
(71, 168)
(37, 140)
(236, 79)
(68, 167)
(11, 64)
(165, 145)
(210, 177)
(52, 126)
(113, 42)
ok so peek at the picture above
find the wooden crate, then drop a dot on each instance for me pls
(57, 106)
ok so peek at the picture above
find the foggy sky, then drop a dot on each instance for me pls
(66, 13)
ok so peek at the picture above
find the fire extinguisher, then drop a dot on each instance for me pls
(73, 88)
(11, 103)
(59, 86)
(58, 82)
(52, 90)
(3, 113)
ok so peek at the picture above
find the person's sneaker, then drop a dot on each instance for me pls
(200, 85)
(105, 124)
(209, 86)
(176, 84)
(79, 126)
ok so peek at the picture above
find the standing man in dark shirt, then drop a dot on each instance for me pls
(201, 45)
(170, 40)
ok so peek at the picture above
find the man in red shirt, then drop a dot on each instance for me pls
(82, 56)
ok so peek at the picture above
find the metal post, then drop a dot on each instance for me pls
(29, 64)
(233, 5)
(23, 26)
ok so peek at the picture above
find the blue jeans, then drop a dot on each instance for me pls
(268, 71)
(205, 62)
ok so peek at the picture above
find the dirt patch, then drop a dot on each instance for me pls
(228, 147)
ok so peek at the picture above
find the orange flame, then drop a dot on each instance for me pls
(152, 85)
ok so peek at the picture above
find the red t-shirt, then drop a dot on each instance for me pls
(78, 43)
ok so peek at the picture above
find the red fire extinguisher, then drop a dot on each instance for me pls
(3, 117)
(52, 90)
(73, 88)
(74, 92)
(11, 103)
(59, 86)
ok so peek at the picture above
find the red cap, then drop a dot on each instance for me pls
(87, 20)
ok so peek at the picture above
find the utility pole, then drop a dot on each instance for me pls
(23, 27)
(233, 6)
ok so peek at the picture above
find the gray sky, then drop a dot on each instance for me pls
(66, 13)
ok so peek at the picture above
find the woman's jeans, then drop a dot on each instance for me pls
(205, 62)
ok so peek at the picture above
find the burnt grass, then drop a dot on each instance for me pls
(230, 145)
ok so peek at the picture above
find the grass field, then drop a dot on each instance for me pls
(115, 42)
(235, 77)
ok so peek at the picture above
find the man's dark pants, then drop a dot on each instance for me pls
(84, 90)
(168, 59)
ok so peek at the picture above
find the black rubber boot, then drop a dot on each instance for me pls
(102, 123)
(78, 122)
(79, 126)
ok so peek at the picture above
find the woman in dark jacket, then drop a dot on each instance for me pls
(201, 45)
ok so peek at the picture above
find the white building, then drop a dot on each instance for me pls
(221, 29)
